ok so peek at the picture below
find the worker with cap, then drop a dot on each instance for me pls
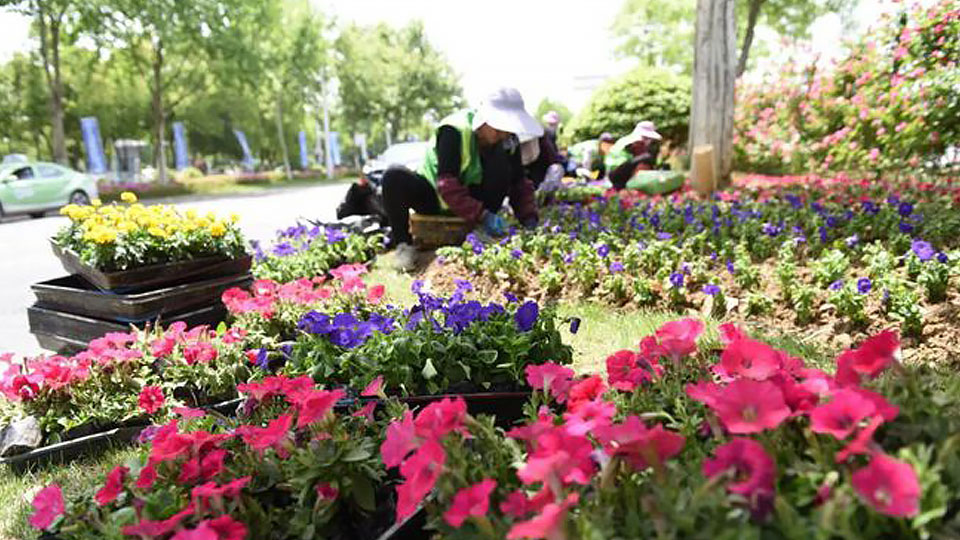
(633, 153)
(471, 166)
(586, 158)
(551, 125)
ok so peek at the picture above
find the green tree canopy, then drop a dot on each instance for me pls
(393, 79)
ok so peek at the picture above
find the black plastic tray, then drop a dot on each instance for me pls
(66, 331)
(73, 294)
(153, 276)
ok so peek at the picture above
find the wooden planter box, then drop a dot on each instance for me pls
(67, 332)
(73, 294)
(154, 276)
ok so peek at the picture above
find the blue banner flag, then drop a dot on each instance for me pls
(181, 159)
(334, 147)
(304, 161)
(247, 156)
(96, 161)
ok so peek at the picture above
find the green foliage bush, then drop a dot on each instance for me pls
(643, 94)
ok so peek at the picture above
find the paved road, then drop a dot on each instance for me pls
(26, 257)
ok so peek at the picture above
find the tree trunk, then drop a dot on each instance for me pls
(159, 114)
(50, 53)
(283, 140)
(711, 116)
(752, 17)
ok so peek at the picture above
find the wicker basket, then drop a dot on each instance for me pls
(436, 231)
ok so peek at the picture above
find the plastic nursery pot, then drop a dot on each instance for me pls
(153, 276)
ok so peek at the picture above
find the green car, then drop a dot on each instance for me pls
(36, 187)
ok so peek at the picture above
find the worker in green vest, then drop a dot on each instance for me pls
(586, 158)
(472, 165)
(636, 152)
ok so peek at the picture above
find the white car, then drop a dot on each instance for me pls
(36, 187)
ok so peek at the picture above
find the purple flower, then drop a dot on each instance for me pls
(417, 286)
(906, 228)
(942, 257)
(527, 315)
(730, 267)
(836, 285)
(516, 253)
(922, 249)
(574, 325)
(603, 250)
(511, 298)
(664, 236)
(771, 230)
(864, 285)
(616, 266)
(676, 279)
(711, 289)
(284, 249)
(853, 241)
(335, 235)
(263, 361)
(569, 257)
(905, 209)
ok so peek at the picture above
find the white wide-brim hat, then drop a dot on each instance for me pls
(644, 130)
(503, 109)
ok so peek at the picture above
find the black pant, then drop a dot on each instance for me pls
(405, 190)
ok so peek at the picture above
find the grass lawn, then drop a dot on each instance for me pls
(18, 488)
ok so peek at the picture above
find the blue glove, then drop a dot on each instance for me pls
(493, 224)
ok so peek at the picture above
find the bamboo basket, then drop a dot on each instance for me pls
(436, 231)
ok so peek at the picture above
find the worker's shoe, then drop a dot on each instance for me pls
(405, 257)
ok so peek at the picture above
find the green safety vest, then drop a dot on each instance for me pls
(578, 153)
(471, 171)
(618, 155)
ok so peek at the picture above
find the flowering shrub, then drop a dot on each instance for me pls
(302, 251)
(676, 443)
(123, 379)
(288, 468)
(890, 105)
(438, 345)
(130, 235)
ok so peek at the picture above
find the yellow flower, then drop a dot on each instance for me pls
(158, 232)
(217, 228)
(234, 217)
(126, 226)
(96, 202)
(128, 197)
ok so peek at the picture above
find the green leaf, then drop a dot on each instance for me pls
(221, 328)
(357, 454)
(428, 371)
(363, 493)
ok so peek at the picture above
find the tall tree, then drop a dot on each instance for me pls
(662, 33)
(50, 19)
(177, 46)
(711, 117)
(393, 79)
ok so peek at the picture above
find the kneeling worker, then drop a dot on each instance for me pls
(636, 152)
(586, 157)
(472, 166)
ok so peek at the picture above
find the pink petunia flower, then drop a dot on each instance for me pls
(470, 501)
(888, 485)
(744, 406)
(47, 506)
(751, 468)
(113, 486)
(548, 524)
(151, 399)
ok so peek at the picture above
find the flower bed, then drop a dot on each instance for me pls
(300, 251)
(125, 236)
(803, 258)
